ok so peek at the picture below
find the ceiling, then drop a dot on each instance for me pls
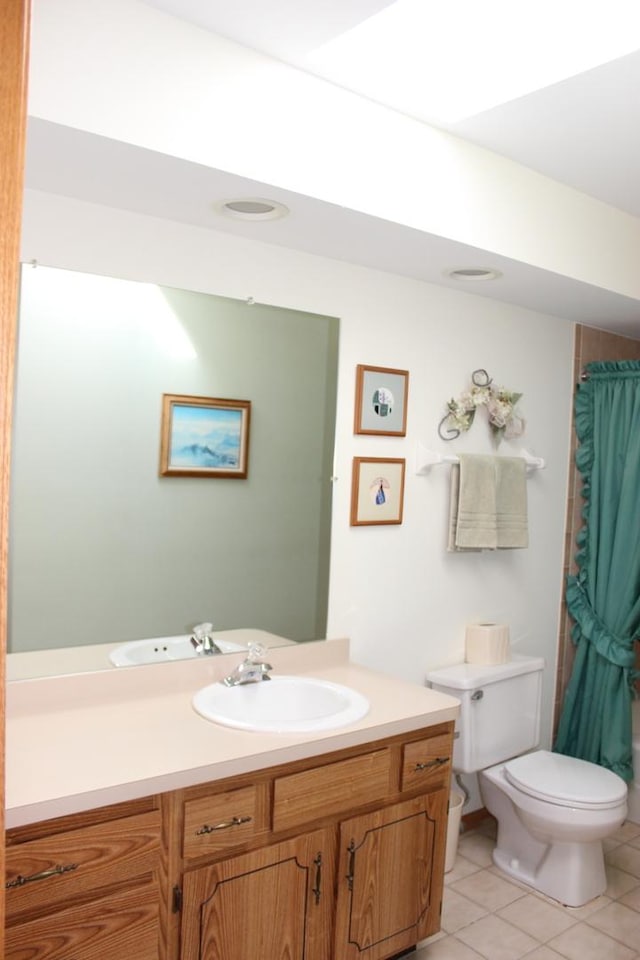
(583, 132)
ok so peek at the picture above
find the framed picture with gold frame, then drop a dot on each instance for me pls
(381, 401)
(204, 437)
(377, 491)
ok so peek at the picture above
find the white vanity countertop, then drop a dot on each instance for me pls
(88, 740)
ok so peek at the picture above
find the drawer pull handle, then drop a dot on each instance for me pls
(317, 890)
(437, 762)
(56, 871)
(234, 822)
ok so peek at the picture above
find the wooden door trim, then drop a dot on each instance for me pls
(14, 56)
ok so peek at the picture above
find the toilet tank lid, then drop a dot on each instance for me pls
(468, 676)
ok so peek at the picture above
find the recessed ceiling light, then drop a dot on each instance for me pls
(253, 208)
(472, 273)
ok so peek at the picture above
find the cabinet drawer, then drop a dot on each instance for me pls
(332, 789)
(426, 761)
(224, 820)
(122, 924)
(52, 869)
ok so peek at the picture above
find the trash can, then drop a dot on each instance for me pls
(456, 800)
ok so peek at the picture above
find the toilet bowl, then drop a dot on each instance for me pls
(553, 812)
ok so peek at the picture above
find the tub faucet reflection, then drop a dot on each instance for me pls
(253, 668)
(202, 641)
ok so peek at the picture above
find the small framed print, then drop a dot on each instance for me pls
(381, 401)
(377, 491)
(204, 437)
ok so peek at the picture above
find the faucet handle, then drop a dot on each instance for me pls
(255, 664)
(256, 652)
(202, 640)
(202, 630)
(252, 669)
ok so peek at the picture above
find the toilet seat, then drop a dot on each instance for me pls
(565, 781)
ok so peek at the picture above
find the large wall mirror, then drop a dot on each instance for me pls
(105, 550)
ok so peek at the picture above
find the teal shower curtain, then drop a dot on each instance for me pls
(603, 598)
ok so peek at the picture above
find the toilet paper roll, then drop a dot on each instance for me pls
(487, 643)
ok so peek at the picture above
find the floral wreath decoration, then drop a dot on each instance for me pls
(504, 420)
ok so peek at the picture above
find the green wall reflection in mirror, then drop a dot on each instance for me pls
(103, 549)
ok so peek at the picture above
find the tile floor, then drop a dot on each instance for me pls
(487, 916)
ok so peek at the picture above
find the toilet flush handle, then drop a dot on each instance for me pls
(477, 695)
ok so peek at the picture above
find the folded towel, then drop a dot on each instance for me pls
(454, 496)
(488, 506)
(474, 508)
(511, 503)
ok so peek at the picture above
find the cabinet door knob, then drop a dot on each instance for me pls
(437, 762)
(234, 822)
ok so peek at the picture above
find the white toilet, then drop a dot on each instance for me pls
(553, 811)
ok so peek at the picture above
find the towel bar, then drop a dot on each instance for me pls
(425, 459)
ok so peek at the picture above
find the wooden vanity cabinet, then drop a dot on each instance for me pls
(329, 858)
(333, 858)
(86, 887)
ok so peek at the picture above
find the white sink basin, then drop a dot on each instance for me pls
(284, 704)
(158, 649)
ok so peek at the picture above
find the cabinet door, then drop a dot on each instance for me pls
(273, 904)
(391, 867)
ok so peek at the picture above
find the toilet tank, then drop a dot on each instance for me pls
(500, 709)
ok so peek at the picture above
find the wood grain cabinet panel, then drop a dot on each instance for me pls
(331, 789)
(87, 892)
(50, 870)
(391, 868)
(426, 762)
(217, 823)
(272, 904)
(120, 926)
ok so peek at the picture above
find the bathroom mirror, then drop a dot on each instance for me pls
(103, 548)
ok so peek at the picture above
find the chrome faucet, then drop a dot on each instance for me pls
(253, 668)
(202, 641)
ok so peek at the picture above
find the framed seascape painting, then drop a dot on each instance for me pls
(377, 491)
(381, 401)
(204, 437)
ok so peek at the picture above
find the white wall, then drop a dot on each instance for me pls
(395, 592)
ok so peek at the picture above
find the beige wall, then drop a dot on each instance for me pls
(590, 344)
